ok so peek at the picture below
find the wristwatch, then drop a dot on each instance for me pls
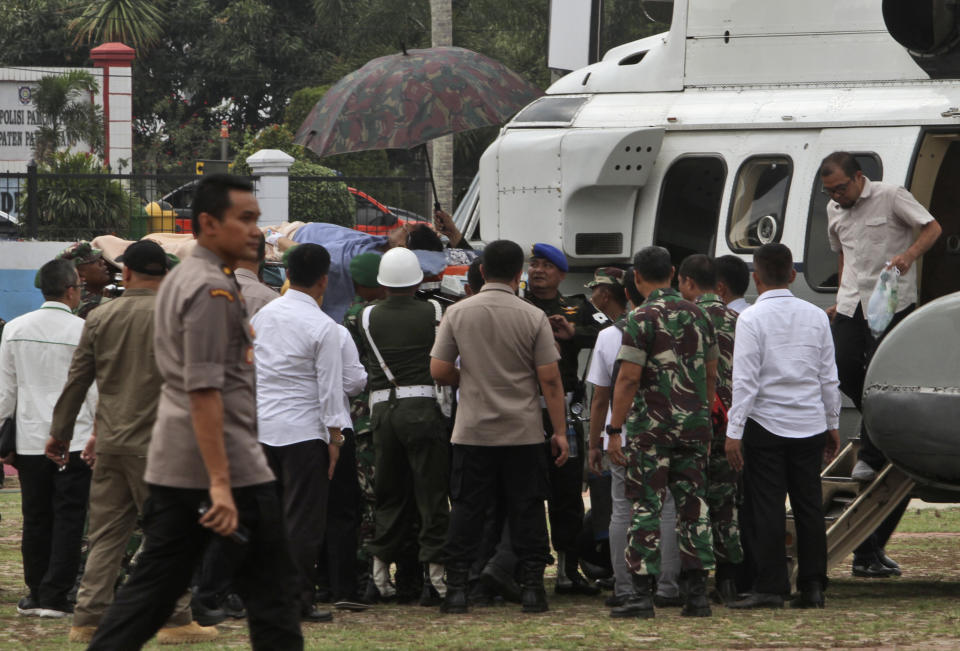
(337, 439)
(611, 430)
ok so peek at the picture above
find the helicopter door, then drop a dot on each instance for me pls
(934, 184)
(689, 210)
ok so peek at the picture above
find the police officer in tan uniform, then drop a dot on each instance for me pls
(205, 469)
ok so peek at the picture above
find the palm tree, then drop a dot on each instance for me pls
(67, 113)
(138, 23)
(441, 33)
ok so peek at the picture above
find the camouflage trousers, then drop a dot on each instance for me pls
(722, 505)
(679, 467)
(368, 500)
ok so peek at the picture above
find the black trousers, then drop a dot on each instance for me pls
(481, 474)
(855, 345)
(565, 499)
(339, 552)
(174, 542)
(54, 506)
(775, 466)
(303, 487)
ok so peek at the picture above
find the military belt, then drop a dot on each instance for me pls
(414, 391)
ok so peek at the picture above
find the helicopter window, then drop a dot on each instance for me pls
(759, 202)
(690, 206)
(819, 261)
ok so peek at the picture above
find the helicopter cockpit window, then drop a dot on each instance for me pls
(819, 261)
(759, 202)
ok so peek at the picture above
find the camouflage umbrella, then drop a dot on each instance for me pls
(404, 100)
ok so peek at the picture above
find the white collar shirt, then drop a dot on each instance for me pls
(738, 305)
(881, 225)
(354, 374)
(35, 356)
(601, 367)
(298, 356)
(784, 371)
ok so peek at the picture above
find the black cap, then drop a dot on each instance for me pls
(145, 257)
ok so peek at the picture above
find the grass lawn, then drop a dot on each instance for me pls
(920, 610)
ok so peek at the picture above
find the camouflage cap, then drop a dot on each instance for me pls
(364, 269)
(80, 253)
(551, 254)
(606, 276)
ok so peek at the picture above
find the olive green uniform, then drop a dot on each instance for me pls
(410, 444)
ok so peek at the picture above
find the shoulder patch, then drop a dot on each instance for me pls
(227, 271)
(600, 318)
(222, 292)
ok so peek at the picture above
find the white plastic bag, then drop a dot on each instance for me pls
(883, 301)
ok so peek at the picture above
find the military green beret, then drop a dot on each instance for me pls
(364, 269)
(80, 253)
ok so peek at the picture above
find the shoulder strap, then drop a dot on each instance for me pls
(438, 314)
(376, 351)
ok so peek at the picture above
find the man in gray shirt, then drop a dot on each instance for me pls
(506, 348)
(205, 468)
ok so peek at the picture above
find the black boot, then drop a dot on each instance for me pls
(532, 595)
(455, 602)
(428, 595)
(697, 603)
(408, 580)
(640, 603)
(725, 585)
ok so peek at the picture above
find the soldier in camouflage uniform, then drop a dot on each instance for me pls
(667, 375)
(94, 274)
(576, 324)
(698, 280)
(363, 270)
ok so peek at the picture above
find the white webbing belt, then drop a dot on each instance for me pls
(413, 391)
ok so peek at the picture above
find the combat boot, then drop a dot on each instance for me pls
(434, 589)
(379, 587)
(639, 604)
(455, 601)
(408, 579)
(533, 597)
(697, 603)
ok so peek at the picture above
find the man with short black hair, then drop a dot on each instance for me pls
(300, 410)
(786, 410)
(872, 226)
(668, 369)
(698, 282)
(94, 274)
(733, 280)
(474, 278)
(506, 347)
(35, 356)
(205, 469)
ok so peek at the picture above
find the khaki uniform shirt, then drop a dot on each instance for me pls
(255, 293)
(116, 350)
(203, 340)
(878, 227)
(501, 340)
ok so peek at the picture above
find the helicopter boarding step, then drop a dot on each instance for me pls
(852, 509)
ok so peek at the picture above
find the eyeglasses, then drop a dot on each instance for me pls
(835, 190)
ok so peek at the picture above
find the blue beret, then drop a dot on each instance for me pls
(550, 254)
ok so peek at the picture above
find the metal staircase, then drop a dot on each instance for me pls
(852, 509)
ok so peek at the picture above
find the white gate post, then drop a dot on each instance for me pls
(272, 166)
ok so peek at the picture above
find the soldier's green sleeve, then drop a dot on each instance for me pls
(712, 351)
(633, 347)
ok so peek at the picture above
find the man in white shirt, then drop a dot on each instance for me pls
(733, 280)
(35, 356)
(782, 424)
(300, 407)
(610, 297)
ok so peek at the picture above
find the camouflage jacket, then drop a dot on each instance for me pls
(88, 302)
(587, 323)
(672, 339)
(724, 325)
(360, 403)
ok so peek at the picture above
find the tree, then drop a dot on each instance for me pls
(441, 34)
(68, 115)
(137, 23)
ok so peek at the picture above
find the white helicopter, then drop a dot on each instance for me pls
(707, 138)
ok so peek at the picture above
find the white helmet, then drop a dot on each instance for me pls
(399, 267)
